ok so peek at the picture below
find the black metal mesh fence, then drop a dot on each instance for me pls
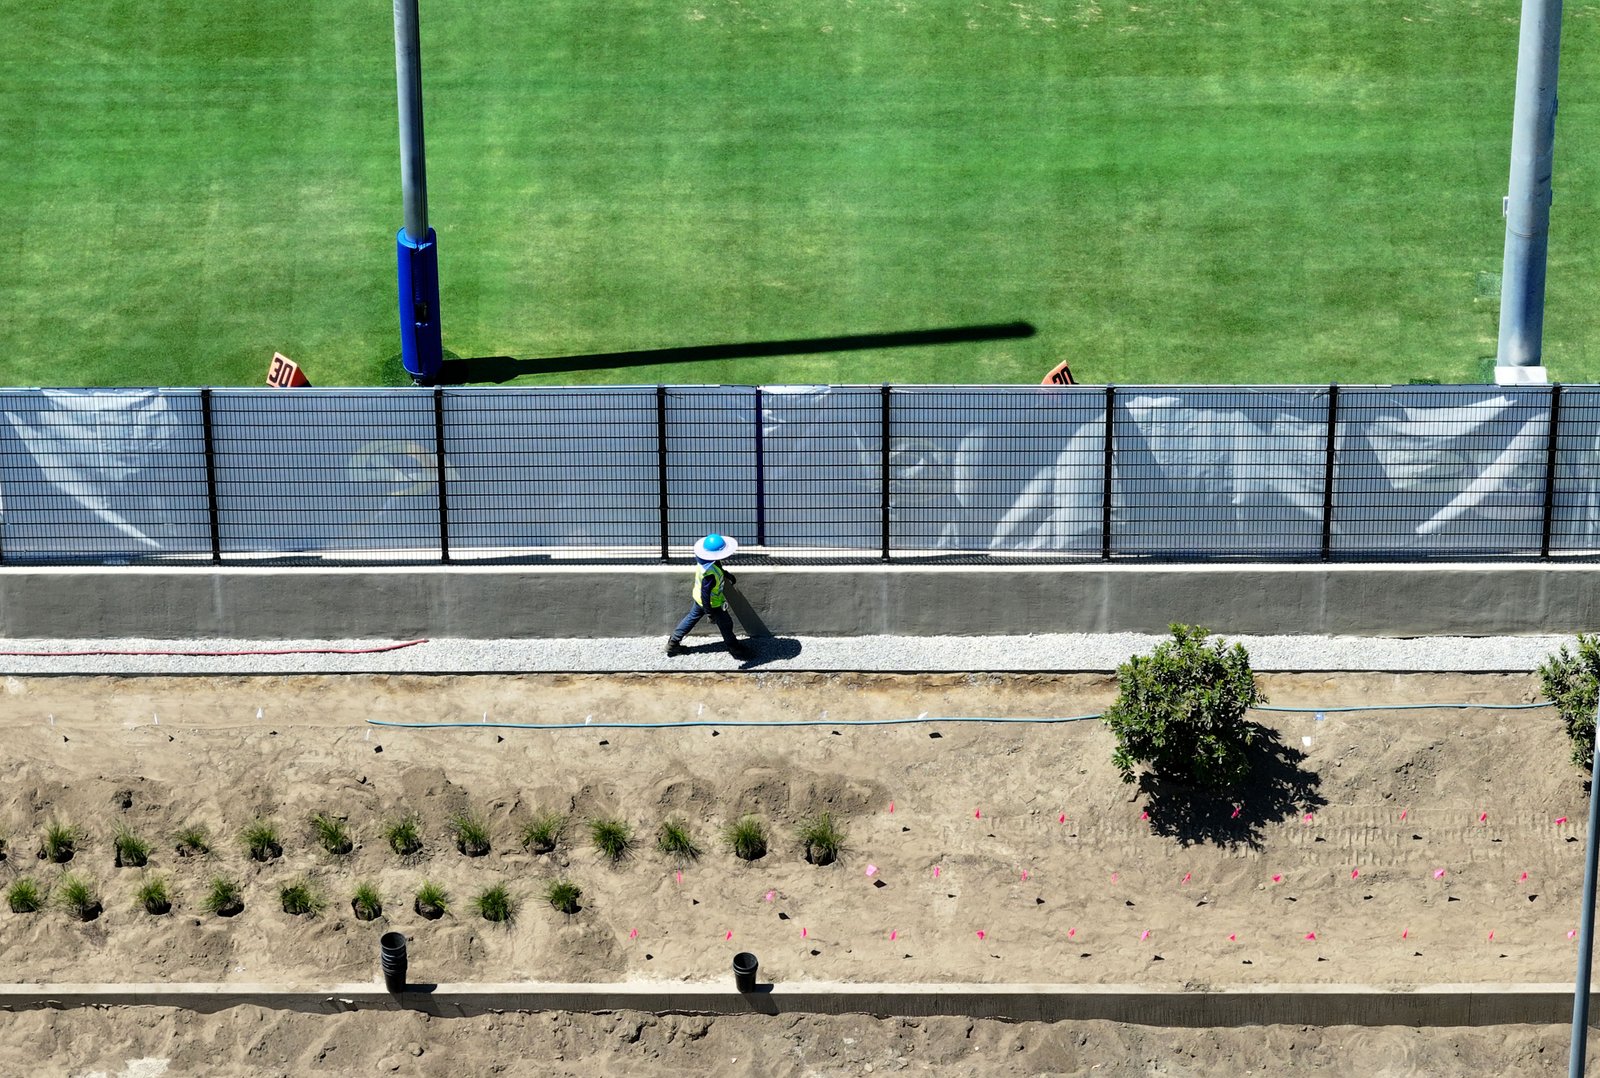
(857, 471)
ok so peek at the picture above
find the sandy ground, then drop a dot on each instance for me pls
(249, 1041)
(1131, 887)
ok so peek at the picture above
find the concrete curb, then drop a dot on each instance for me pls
(1318, 1005)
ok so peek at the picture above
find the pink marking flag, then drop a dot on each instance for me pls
(1524, 878)
(1113, 877)
(1405, 933)
(1231, 937)
(1062, 818)
(1277, 878)
(680, 879)
(1561, 819)
(980, 933)
(872, 870)
(729, 936)
(1307, 819)
(1571, 932)
(1438, 873)
(893, 935)
(1355, 872)
(935, 871)
(1311, 935)
(1482, 816)
(802, 933)
(1185, 879)
(633, 933)
(1144, 935)
(977, 814)
(1024, 875)
(1236, 810)
(1072, 933)
(1403, 814)
(770, 895)
(891, 806)
(1144, 815)
(1491, 935)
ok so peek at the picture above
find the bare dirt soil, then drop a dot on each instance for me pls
(1398, 839)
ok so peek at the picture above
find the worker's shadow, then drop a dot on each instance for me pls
(766, 647)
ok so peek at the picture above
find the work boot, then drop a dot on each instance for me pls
(672, 648)
(742, 652)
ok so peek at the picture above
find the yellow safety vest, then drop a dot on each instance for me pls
(700, 572)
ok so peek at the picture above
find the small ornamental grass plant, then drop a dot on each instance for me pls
(59, 841)
(471, 832)
(263, 841)
(404, 835)
(224, 897)
(614, 838)
(823, 840)
(495, 903)
(299, 898)
(366, 902)
(25, 895)
(432, 901)
(154, 896)
(541, 833)
(131, 850)
(333, 834)
(674, 840)
(78, 897)
(563, 896)
(192, 840)
(747, 838)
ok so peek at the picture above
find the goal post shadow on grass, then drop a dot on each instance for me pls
(500, 369)
(1278, 789)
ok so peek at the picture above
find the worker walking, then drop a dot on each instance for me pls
(709, 579)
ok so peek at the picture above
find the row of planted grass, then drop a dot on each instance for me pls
(820, 838)
(224, 897)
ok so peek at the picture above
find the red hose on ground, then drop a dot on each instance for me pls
(283, 651)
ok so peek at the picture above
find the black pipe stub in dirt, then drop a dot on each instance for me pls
(744, 971)
(392, 959)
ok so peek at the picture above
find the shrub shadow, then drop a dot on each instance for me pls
(1278, 789)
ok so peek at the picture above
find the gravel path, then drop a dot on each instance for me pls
(1065, 652)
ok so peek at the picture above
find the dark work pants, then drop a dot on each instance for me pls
(719, 617)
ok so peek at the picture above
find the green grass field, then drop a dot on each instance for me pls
(1170, 191)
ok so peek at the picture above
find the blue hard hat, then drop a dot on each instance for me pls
(714, 542)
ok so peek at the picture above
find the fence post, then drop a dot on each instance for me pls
(438, 463)
(1327, 472)
(211, 475)
(1105, 498)
(883, 465)
(661, 461)
(1550, 471)
(761, 476)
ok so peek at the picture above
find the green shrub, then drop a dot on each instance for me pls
(60, 841)
(1180, 711)
(1572, 682)
(432, 901)
(541, 833)
(611, 837)
(823, 840)
(747, 838)
(77, 895)
(261, 838)
(471, 832)
(333, 834)
(299, 897)
(224, 897)
(25, 896)
(674, 840)
(366, 902)
(131, 850)
(154, 896)
(494, 903)
(192, 840)
(563, 896)
(404, 835)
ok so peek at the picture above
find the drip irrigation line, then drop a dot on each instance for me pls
(920, 719)
(253, 651)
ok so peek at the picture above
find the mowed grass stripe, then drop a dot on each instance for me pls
(1289, 191)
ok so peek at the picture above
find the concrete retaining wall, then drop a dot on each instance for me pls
(496, 602)
(1317, 1005)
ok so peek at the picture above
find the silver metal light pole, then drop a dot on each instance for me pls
(408, 86)
(1580, 993)
(1527, 207)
